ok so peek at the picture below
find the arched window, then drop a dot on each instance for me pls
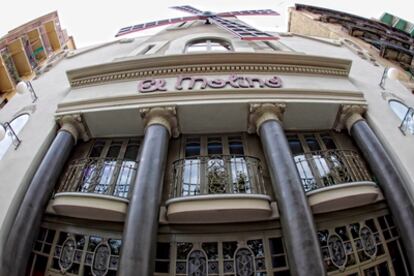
(17, 124)
(399, 109)
(208, 45)
(405, 114)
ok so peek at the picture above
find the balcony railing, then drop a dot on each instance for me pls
(106, 176)
(319, 169)
(217, 174)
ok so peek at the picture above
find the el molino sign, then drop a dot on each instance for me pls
(192, 82)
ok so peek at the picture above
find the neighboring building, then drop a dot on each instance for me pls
(27, 49)
(399, 23)
(373, 40)
(192, 152)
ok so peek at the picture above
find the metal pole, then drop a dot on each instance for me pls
(141, 224)
(298, 227)
(19, 243)
(391, 183)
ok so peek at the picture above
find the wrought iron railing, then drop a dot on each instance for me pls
(217, 174)
(105, 176)
(319, 169)
(407, 124)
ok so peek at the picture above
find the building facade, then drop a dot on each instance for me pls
(29, 50)
(386, 42)
(192, 152)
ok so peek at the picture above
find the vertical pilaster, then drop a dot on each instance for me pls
(25, 226)
(141, 224)
(388, 177)
(296, 218)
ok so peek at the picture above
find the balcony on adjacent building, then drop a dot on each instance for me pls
(218, 188)
(95, 188)
(336, 179)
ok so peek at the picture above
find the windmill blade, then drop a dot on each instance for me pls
(153, 24)
(188, 8)
(243, 31)
(247, 12)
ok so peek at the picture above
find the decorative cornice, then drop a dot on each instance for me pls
(348, 115)
(260, 113)
(206, 63)
(75, 125)
(165, 116)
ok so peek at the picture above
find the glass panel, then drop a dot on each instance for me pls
(276, 246)
(312, 143)
(131, 152)
(295, 144)
(236, 146)
(97, 149)
(197, 264)
(214, 146)
(396, 258)
(328, 141)
(399, 109)
(244, 262)
(192, 147)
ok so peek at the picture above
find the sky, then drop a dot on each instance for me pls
(92, 21)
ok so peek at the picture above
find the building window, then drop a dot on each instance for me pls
(353, 247)
(216, 165)
(108, 169)
(226, 256)
(405, 114)
(208, 45)
(321, 163)
(17, 124)
(74, 253)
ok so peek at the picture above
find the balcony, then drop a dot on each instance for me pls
(218, 188)
(95, 188)
(336, 179)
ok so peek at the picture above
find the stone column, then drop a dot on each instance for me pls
(296, 218)
(390, 181)
(141, 223)
(26, 224)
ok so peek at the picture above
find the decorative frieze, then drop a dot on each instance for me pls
(201, 69)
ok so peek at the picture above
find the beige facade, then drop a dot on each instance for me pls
(212, 104)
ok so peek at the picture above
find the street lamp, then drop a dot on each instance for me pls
(24, 87)
(3, 132)
(390, 73)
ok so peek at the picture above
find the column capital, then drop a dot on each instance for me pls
(349, 115)
(163, 115)
(74, 124)
(262, 112)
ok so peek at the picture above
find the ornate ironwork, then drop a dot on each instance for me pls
(67, 253)
(368, 241)
(217, 174)
(106, 176)
(101, 258)
(319, 169)
(337, 251)
(244, 262)
(197, 263)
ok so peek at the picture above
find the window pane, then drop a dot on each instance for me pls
(312, 142)
(328, 141)
(399, 109)
(214, 146)
(192, 147)
(295, 145)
